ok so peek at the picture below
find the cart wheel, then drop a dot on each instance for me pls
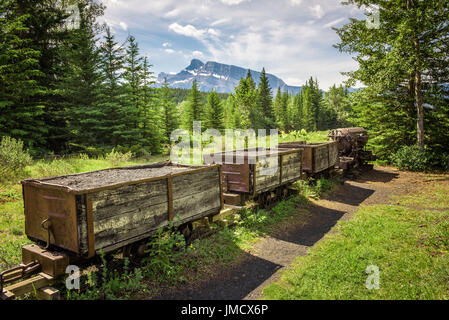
(135, 251)
(187, 230)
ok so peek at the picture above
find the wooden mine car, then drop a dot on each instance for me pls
(351, 147)
(317, 157)
(247, 174)
(111, 209)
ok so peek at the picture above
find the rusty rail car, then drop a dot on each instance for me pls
(70, 219)
(316, 157)
(247, 174)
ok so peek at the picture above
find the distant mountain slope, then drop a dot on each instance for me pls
(221, 77)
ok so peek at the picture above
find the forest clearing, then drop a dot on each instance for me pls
(132, 170)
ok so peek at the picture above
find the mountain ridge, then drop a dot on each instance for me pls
(221, 77)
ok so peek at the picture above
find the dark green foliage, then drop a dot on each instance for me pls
(179, 95)
(80, 86)
(194, 110)
(21, 114)
(111, 97)
(214, 112)
(168, 108)
(404, 65)
(151, 120)
(414, 158)
(245, 99)
(264, 104)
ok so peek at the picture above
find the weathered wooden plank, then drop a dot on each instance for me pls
(48, 293)
(135, 214)
(28, 285)
(121, 216)
(196, 183)
(333, 154)
(131, 229)
(197, 203)
(321, 158)
(130, 193)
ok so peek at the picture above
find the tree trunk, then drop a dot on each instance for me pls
(419, 101)
(420, 110)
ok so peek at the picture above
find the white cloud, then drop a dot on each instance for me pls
(232, 2)
(173, 13)
(317, 11)
(169, 51)
(197, 54)
(188, 30)
(333, 23)
(295, 2)
(213, 32)
(294, 41)
(123, 25)
(220, 21)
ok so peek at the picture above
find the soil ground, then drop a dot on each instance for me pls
(102, 178)
(262, 265)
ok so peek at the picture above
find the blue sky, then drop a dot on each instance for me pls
(291, 38)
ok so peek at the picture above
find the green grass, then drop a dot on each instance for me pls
(409, 243)
(302, 135)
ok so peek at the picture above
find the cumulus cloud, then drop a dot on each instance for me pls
(295, 2)
(317, 11)
(232, 2)
(188, 30)
(197, 54)
(294, 41)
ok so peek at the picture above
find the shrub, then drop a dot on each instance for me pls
(164, 255)
(117, 157)
(13, 160)
(414, 158)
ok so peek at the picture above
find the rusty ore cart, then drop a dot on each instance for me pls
(71, 218)
(248, 175)
(317, 158)
(110, 209)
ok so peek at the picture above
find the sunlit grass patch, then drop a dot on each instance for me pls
(408, 245)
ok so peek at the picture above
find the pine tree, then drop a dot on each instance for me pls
(214, 112)
(265, 103)
(82, 79)
(169, 111)
(277, 107)
(150, 112)
(112, 62)
(401, 59)
(130, 133)
(45, 34)
(284, 116)
(245, 99)
(194, 108)
(20, 113)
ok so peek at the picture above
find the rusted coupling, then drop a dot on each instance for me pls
(17, 273)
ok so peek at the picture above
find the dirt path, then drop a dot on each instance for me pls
(261, 266)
